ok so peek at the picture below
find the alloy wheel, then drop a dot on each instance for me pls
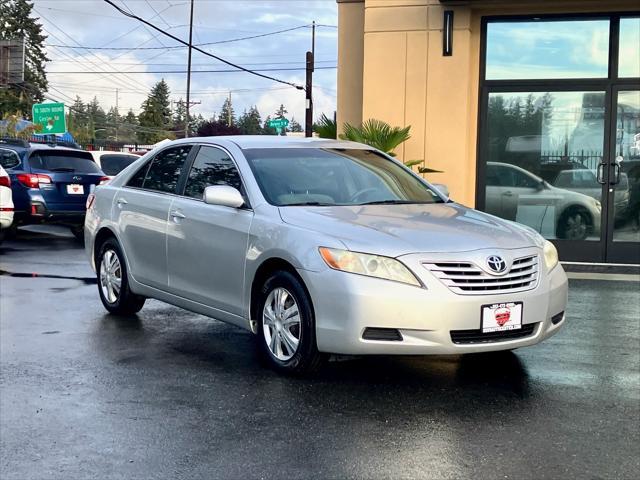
(110, 276)
(281, 324)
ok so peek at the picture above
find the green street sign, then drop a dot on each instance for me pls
(279, 123)
(50, 116)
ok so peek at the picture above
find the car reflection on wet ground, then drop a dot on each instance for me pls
(171, 394)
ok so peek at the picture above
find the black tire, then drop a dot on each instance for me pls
(127, 303)
(78, 232)
(575, 224)
(307, 358)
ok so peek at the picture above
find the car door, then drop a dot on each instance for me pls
(207, 244)
(141, 211)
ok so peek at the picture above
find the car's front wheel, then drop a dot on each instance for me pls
(113, 283)
(287, 325)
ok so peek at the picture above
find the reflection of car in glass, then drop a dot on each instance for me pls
(585, 181)
(319, 246)
(516, 194)
(112, 163)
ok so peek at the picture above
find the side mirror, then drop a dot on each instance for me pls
(541, 186)
(443, 189)
(223, 195)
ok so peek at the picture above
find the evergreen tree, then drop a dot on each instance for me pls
(155, 119)
(16, 21)
(294, 126)
(114, 124)
(280, 113)
(77, 121)
(266, 129)
(180, 118)
(97, 120)
(227, 114)
(128, 129)
(250, 122)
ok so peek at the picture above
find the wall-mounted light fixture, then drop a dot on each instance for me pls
(447, 33)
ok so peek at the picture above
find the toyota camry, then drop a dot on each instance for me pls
(319, 247)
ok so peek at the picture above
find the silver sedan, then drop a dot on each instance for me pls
(319, 247)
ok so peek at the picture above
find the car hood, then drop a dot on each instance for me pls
(395, 230)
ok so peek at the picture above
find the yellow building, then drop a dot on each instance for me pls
(531, 109)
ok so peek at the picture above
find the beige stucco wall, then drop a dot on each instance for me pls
(405, 79)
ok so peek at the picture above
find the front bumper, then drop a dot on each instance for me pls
(346, 304)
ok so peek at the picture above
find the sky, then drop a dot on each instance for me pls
(93, 23)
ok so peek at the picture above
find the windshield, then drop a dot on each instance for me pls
(64, 161)
(313, 176)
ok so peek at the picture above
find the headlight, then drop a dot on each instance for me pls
(369, 265)
(550, 255)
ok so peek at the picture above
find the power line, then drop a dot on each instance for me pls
(183, 46)
(254, 72)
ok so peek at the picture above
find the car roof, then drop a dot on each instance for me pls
(99, 153)
(38, 146)
(273, 141)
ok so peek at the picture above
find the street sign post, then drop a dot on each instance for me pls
(50, 116)
(279, 124)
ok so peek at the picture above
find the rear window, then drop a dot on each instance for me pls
(64, 161)
(113, 164)
(9, 159)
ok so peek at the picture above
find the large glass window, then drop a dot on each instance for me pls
(212, 166)
(544, 149)
(113, 163)
(547, 49)
(629, 58)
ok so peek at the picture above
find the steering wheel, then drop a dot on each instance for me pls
(360, 193)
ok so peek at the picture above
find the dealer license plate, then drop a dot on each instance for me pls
(75, 189)
(501, 316)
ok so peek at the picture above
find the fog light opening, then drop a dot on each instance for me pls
(382, 334)
(556, 319)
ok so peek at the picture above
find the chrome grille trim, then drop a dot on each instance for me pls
(467, 278)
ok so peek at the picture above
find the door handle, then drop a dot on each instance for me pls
(600, 173)
(508, 194)
(616, 173)
(121, 202)
(177, 215)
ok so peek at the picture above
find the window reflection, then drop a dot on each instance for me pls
(543, 153)
(547, 49)
(629, 58)
(627, 169)
(212, 166)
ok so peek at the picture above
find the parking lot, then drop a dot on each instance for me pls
(171, 394)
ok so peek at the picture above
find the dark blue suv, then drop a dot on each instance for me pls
(50, 183)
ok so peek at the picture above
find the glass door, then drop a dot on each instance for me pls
(623, 182)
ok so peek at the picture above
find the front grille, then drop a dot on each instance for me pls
(468, 279)
(476, 336)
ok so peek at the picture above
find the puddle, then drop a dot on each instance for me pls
(85, 280)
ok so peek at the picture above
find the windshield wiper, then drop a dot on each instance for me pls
(391, 202)
(62, 169)
(309, 204)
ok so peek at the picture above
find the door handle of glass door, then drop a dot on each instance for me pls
(616, 174)
(600, 173)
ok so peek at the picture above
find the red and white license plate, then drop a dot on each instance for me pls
(75, 189)
(501, 316)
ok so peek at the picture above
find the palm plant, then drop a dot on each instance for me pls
(377, 134)
(326, 127)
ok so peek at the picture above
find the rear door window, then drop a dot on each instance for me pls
(164, 173)
(112, 163)
(63, 162)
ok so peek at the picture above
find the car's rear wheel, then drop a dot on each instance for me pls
(113, 283)
(286, 325)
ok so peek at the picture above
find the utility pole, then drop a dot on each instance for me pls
(186, 122)
(308, 123)
(117, 114)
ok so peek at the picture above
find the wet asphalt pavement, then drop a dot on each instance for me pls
(171, 394)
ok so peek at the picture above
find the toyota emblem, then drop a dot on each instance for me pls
(496, 264)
